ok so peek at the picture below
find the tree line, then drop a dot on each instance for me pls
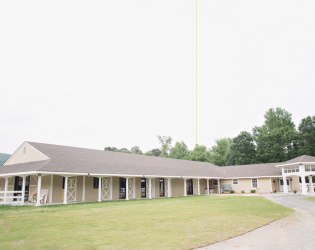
(277, 140)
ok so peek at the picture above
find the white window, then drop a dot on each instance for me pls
(215, 182)
(307, 168)
(235, 181)
(24, 150)
(254, 183)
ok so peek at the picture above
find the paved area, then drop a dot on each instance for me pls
(293, 232)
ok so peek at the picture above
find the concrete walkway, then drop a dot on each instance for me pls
(293, 232)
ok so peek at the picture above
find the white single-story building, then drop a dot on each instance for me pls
(62, 174)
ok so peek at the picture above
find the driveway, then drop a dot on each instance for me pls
(293, 232)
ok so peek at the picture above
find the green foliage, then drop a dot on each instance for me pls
(202, 155)
(253, 191)
(306, 136)
(232, 191)
(243, 192)
(275, 138)
(136, 150)
(113, 149)
(156, 151)
(218, 153)
(125, 150)
(3, 158)
(180, 151)
(242, 150)
(165, 142)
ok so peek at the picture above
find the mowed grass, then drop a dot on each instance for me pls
(310, 199)
(166, 223)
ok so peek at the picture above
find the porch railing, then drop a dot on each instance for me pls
(7, 197)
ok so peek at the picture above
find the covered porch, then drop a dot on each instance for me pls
(64, 188)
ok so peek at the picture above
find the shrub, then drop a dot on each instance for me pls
(253, 191)
(232, 192)
(243, 192)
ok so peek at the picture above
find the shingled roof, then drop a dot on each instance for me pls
(65, 159)
(297, 160)
(82, 160)
(253, 170)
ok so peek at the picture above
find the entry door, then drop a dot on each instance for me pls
(143, 188)
(189, 187)
(288, 185)
(18, 186)
(72, 189)
(162, 188)
(122, 188)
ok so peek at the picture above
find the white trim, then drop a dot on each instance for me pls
(38, 150)
(69, 174)
(51, 188)
(296, 163)
(39, 187)
(229, 178)
(13, 154)
(83, 189)
(4, 164)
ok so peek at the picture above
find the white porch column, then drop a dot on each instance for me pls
(6, 189)
(111, 188)
(39, 186)
(169, 187)
(127, 189)
(83, 189)
(134, 188)
(185, 187)
(23, 190)
(285, 186)
(65, 191)
(219, 187)
(150, 188)
(208, 184)
(304, 188)
(311, 184)
(99, 189)
(198, 186)
(51, 188)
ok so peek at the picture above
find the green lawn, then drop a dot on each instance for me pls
(168, 223)
(310, 199)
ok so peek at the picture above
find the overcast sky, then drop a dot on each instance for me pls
(118, 73)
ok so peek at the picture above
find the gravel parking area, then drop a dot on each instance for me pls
(293, 232)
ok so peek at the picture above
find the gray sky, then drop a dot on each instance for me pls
(118, 73)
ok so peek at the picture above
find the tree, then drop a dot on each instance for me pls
(275, 138)
(180, 151)
(306, 136)
(219, 152)
(125, 150)
(242, 150)
(156, 152)
(136, 150)
(165, 145)
(113, 149)
(202, 155)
